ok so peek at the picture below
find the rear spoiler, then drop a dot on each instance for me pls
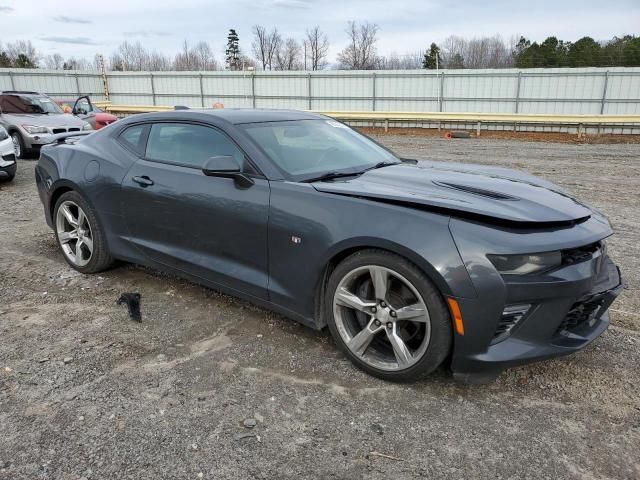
(61, 137)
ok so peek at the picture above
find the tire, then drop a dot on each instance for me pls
(401, 337)
(18, 145)
(83, 243)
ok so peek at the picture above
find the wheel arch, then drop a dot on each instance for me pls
(343, 250)
(60, 188)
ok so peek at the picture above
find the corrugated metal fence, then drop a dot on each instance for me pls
(544, 91)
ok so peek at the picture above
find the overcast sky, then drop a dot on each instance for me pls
(83, 28)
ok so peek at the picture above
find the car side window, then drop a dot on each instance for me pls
(190, 145)
(133, 137)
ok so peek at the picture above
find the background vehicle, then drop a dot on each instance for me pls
(7, 156)
(31, 119)
(406, 262)
(87, 111)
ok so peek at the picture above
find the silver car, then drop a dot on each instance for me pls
(31, 118)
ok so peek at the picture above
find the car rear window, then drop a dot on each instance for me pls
(133, 137)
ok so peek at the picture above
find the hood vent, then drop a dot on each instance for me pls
(476, 191)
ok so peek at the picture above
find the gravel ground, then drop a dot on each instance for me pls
(87, 394)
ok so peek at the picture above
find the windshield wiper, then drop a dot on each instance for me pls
(331, 176)
(382, 164)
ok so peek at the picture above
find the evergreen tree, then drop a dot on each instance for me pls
(584, 53)
(232, 53)
(5, 61)
(456, 61)
(432, 59)
(22, 61)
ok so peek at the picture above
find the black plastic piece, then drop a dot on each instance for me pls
(133, 304)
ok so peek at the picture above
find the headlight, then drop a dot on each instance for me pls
(3, 133)
(524, 264)
(33, 130)
(87, 126)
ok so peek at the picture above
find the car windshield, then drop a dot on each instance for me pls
(29, 104)
(307, 149)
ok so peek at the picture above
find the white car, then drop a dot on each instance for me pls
(8, 164)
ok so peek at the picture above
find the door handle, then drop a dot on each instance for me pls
(143, 181)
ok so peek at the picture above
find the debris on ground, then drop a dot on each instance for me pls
(133, 304)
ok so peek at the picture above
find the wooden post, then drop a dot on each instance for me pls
(153, 88)
(201, 92)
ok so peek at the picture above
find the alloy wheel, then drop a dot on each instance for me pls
(17, 147)
(382, 318)
(74, 233)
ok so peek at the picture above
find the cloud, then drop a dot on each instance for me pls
(65, 19)
(72, 40)
(4, 8)
(301, 4)
(147, 33)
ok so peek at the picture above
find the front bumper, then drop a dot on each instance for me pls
(555, 325)
(564, 310)
(8, 166)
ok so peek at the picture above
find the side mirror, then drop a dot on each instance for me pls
(225, 166)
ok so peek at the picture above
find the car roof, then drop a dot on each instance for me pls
(235, 116)
(25, 93)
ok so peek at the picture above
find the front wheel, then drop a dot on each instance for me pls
(80, 235)
(18, 145)
(387, 316)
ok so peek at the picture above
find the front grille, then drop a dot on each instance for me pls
(9, 157)
(511, 316)
(579, 314)
(74, 129)
(59, 130)
(580, 254)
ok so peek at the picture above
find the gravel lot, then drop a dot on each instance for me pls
(86, 393)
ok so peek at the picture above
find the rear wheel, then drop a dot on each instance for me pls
(387, 316)
(80, 235)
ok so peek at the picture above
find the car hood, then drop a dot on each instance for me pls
(468, 190)
(51, 120)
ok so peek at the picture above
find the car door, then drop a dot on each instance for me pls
(83, 109)
(210, 227)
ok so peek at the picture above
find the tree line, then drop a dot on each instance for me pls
(268, 49)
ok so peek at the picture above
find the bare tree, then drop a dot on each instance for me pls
(130, 56)
(482, 52)
(289, 55)
(53, 62)
(199, 57)
(22, 53)
(316, 46)
(395, 61)
(73, 63)
(205, 59)
(159, 62)
(360, 54)
(265, 45)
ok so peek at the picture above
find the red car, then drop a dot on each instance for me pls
(84, 109)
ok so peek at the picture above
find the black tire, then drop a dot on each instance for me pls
(440, 342)
(100, 258)
(16, 138)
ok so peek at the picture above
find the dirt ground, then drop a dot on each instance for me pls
(87, 394)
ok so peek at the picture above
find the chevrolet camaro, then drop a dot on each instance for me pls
(411, 264)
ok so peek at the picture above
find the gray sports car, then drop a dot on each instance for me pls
(410, 264)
